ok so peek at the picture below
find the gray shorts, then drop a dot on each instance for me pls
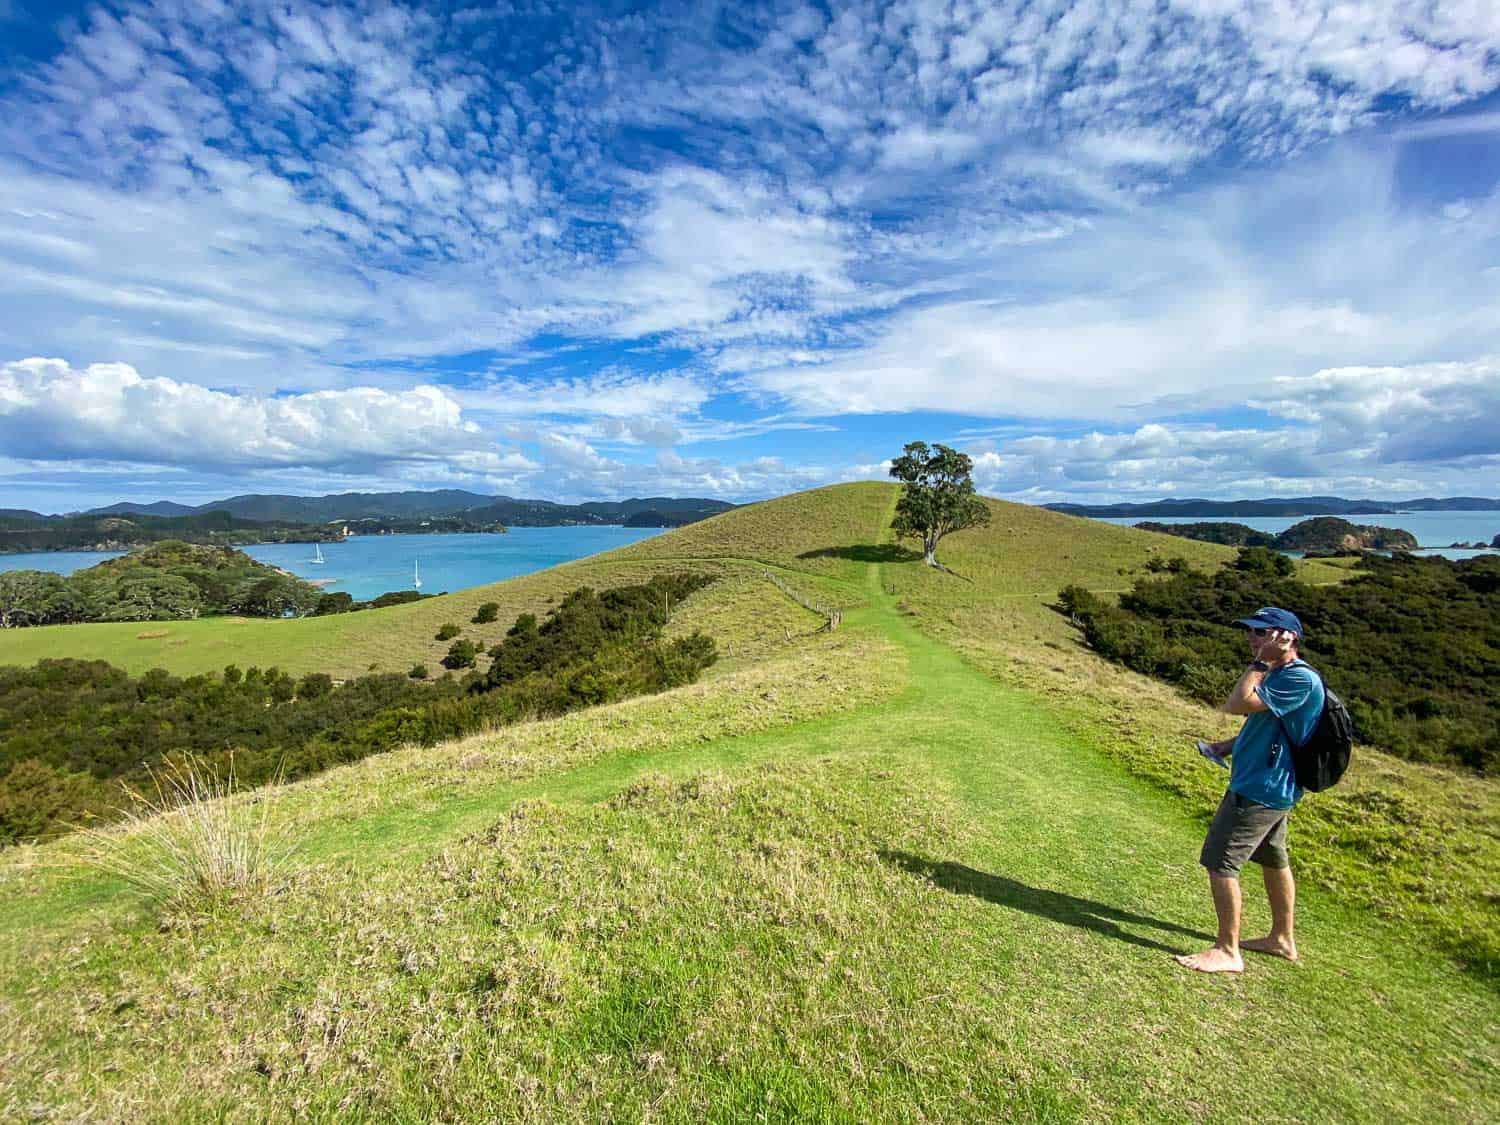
(1242, 830)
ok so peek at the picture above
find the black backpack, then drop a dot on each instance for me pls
(1322, 759)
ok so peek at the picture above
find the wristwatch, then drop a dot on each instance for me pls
(1259, 666)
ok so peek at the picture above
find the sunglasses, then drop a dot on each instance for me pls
(1257, 632)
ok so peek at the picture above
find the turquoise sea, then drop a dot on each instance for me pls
(365, 566)
(1434, 530)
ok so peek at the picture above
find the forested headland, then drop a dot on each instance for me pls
(72, 731)
(1411, 644)
(24, 532)
(167, 581)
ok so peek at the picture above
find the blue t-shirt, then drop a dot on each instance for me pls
(1261, 769)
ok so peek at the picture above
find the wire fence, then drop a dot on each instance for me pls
(832, 616)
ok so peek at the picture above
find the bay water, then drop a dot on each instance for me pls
(365, 566)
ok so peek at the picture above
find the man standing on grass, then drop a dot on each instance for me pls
(1281, 697)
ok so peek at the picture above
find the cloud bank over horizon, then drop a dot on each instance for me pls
(1113, 251)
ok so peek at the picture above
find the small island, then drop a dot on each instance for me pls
(1321, 534)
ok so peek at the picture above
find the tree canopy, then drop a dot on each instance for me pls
(167, 581)
(938, 498)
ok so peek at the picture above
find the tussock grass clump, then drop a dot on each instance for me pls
(192, 843)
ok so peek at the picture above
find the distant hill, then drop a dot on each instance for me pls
(473, 506)
(128, 508)
(669, 512)
(351, 505)
(1283, 506)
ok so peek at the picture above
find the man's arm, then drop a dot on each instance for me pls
(1244, 699)
(1273, 651)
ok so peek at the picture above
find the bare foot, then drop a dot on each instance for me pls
(1272, 945)
(1212, 960)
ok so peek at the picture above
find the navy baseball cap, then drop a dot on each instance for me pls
(1269, 617)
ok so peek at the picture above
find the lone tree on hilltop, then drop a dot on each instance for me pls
(938, 497)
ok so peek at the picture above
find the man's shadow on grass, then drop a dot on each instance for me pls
(866, 553)
(1070, 910)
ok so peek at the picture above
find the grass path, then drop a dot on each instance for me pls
(1080, 882)
(1017, 956)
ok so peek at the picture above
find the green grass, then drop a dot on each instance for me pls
(827, 532)
(913, 890)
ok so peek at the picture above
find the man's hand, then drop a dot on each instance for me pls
(1275, 648)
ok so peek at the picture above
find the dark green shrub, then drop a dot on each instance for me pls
(487, 613)
(314, 684)
(461, 654)
(418, 672)
(1264, 561)
(394, 597)
(448, 632)
(584, 623)
(333, 603)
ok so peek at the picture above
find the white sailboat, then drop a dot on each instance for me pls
(318, 559)
(416, 576)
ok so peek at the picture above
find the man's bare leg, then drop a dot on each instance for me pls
(1281, 890)
(1224, 955)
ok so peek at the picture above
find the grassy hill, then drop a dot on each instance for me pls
(776, 533)
(927, 867)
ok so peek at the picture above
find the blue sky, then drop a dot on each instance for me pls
(1114, 250)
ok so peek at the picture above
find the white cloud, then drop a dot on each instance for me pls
(607, 393)
(571, 453)
(1458, 125)
(109, 411)
(1188, 303)
(1360, 431)
(1137, 147)
(915, 146)
(576, 471)
(1421, 413)
(709, 253)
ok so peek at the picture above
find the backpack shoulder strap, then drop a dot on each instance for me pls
(1291, 742)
